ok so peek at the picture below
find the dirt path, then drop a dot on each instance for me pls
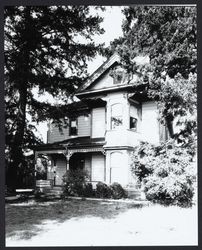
(154, 225)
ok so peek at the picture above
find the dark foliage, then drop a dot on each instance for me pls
(42, 53)
(117, 191)
(76, 184)
(103, 190)
(166, 39)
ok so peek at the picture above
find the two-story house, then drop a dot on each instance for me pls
(114, 114)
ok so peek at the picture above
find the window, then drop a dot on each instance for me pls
(118, 74)
(133, 123)
(118, 77)
(116, 115)
(73, 127)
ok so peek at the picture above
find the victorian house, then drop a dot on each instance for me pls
(113, 115)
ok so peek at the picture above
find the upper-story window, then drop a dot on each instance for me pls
(116, 116)
(134, 117)
(133, 123)
(73, 128)
(118, 74)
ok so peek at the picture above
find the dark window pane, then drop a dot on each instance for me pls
(133, 123)
(73, 127)
(73, 131)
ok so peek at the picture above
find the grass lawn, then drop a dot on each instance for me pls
(23, 219)
(91, 223)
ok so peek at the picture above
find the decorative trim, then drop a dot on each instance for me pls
(119, 87)
(69, 152)
(114, 58)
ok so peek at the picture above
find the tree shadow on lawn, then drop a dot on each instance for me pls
(24, 220)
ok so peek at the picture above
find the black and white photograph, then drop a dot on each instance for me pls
(100, 125)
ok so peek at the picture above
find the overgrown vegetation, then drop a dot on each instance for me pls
(117, 191)
(76, 183)
(167, 172)
(165, 38)
(103, 190)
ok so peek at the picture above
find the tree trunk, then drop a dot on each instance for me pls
(169, 123)
(22, 66)
(16, 153)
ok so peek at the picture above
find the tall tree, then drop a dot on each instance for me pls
(46, 48)
(167, 36)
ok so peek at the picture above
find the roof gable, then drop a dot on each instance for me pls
(100, 71)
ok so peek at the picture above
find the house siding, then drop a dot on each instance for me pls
(84, 125)
(98, 168)
(150, 124)
(56, 135)
(84, 129)
(105, 81)
(98, 122)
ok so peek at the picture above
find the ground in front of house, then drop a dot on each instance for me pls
(98, 223)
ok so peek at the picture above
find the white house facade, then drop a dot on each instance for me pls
(114, 114)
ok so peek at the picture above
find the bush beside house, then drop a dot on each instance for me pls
(76, 184)
(166, 172)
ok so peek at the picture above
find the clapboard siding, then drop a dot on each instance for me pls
(83, 125)
(56, 135)
(98, 122)
(150, 124)
(84, 129)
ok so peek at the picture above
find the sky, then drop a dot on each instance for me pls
(112, 25)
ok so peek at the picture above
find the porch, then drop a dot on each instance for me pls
(55, 160)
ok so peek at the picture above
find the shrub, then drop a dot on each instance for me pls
(103, 191)
(37, 193)
(117, 191)
(88, 190)
(166, 172)
(140, 158)
(75, 183)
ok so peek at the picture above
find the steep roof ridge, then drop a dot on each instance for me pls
(108, 63)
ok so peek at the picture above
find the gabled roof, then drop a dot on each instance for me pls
(115, 58)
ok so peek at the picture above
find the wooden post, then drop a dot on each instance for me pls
(68, 154)
(67, 159)
(35, 165)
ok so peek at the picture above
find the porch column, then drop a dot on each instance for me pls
(35, 165)
(68, 155)
(67, 159)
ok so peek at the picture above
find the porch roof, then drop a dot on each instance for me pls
(72, 143)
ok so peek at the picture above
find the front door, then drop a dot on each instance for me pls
(60, 170)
